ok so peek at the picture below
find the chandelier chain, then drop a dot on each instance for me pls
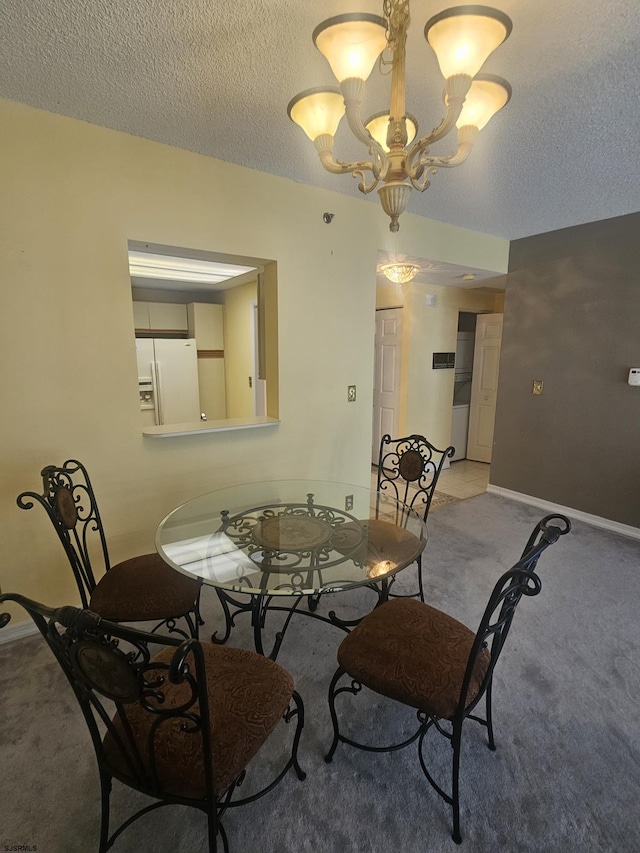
(398, 18)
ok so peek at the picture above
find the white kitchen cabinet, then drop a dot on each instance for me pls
(160, 316)
(141, 315)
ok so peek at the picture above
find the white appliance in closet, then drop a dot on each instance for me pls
(462, 393)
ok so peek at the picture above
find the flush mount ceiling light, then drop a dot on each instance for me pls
(462, 39)
(166, 267)
(400, 273)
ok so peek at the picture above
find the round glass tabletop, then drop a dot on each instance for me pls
(291, 537)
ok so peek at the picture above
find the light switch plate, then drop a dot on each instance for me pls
(351, 393)
(538, 385)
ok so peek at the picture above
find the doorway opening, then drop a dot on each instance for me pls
(462, 383)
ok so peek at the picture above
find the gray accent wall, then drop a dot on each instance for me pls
(572, 319)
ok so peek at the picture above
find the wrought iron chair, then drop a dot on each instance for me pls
(421, 657)
(180, 726)
(409, 469)
(140, 589)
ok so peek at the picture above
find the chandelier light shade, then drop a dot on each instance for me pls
(317, 111)
(399, 159)
(488, 94)
(400, 273)
(378, 127)
(462, 38)
(351, 44)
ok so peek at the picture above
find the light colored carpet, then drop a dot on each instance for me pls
(565, 777)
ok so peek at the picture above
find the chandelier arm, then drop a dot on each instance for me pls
(421, 182)
(466, 138)
(338, 167)
(456, 88)
(352, 90)
(421, 146)
(362, 185)
(324, 147)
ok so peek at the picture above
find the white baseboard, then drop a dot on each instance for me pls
(578, 515)
(17, 632)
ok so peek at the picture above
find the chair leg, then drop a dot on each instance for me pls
(334, 717)
(213, 828)
(105, 792)
(419, 594)
(212, 833)
(492, 743)
(455, 782)
(420, 584)
(197, 617)
(193, 624)
(299, 710)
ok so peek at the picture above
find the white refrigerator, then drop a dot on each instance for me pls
(168, 380)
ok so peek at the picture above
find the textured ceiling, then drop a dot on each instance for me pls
(216, 77)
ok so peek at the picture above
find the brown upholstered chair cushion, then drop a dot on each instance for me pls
(143, 588)
(247, 694)
(387, 541)
(413, 653)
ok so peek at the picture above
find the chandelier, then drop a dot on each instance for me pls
(400, 273)
(462, 39)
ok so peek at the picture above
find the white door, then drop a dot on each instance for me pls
(177, 380)
(386, 389)
(484, 387)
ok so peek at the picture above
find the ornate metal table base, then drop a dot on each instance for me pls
(260, 605)
(295, 541)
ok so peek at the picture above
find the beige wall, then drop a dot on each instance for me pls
(72, 195)
(238, 305)
(269, 337)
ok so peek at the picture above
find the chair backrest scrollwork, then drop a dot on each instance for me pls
(70, 504)
(409, 469)
(496, 621)
(127, 696)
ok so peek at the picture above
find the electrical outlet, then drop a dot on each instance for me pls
(351, 393)
(538, 385)
(348, 503)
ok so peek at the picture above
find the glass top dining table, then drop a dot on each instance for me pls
(290, 538)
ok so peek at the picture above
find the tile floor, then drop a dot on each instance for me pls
(463, 479)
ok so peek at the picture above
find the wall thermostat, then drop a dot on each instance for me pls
(634, 376)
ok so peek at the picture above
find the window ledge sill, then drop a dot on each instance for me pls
(171, 430)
